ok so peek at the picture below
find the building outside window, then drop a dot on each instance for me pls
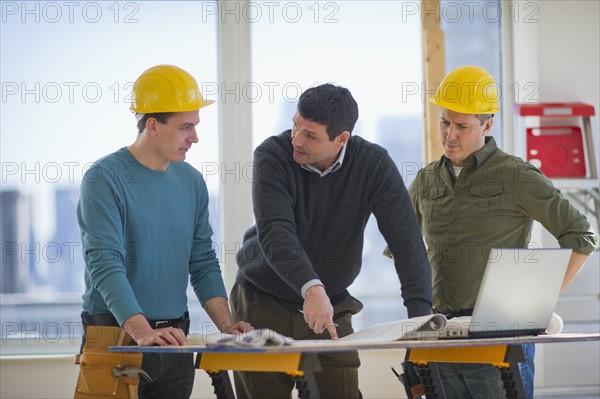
(67, 71)
(65, 104)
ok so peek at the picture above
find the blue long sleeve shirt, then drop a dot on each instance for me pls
(144, 233)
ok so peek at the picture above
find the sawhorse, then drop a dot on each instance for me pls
(505, 357)
(302, 362)
(300, 366)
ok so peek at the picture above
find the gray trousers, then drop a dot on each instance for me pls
(339, 375)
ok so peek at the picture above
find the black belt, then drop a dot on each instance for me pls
(107, 319)
(460, 313)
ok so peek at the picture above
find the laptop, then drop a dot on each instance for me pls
(518, 295)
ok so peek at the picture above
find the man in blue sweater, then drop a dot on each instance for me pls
(143, 215)
(314, 188)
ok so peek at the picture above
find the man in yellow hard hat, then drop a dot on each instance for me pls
(143, 215)
(477, 197)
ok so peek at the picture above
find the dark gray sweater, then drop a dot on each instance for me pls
(312, 227)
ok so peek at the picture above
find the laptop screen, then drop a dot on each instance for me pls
(519, 292)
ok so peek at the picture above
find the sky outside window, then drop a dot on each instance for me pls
(67, 70)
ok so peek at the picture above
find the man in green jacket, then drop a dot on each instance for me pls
(477, 197)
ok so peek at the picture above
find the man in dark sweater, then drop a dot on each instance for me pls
(314, 188)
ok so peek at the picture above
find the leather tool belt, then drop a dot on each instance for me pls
(104, 374)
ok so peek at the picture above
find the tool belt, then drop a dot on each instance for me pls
(99, 369)
(104, 374)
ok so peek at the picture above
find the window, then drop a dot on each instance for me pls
(472, 37)
(67, 71)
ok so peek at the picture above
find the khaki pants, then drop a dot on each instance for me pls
(339, 375)
(96, 364)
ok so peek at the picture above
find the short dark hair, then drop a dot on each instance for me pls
(330, 105)
(162, 117)
(483, 117)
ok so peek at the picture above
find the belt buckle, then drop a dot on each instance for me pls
(161, 324)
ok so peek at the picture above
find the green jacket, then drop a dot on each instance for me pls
(492, 203)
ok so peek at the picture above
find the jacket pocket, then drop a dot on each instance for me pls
(485, 200)
(432, 202)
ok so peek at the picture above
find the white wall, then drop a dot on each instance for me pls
(55, 377)
(568, 51)
(557, 47)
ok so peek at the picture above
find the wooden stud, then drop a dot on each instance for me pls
(433, 73)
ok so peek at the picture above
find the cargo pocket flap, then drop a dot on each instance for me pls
(487, 191)
(435, 192)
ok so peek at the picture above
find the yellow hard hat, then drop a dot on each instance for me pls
(166, 88)
(468, 90)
